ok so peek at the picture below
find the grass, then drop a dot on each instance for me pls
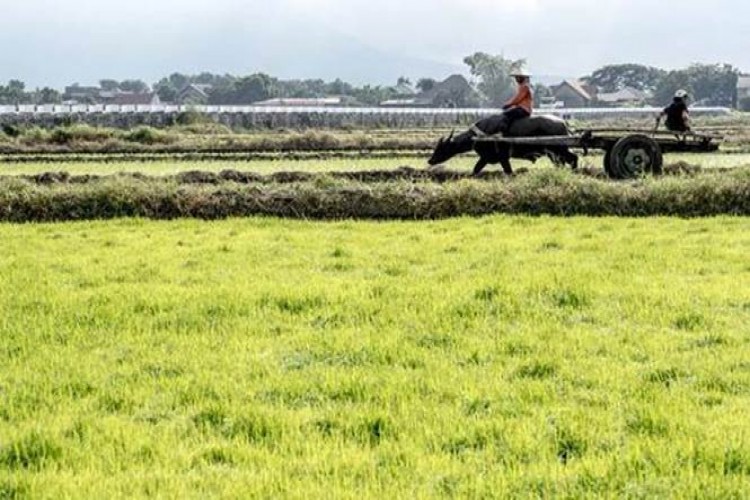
(500, 356)
(171, 167)
(404, 194)
(82, 138)
(212, 137)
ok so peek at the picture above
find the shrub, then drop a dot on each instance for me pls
(80, 133)
(148, 135)
(11, 130)
(35, 135)
(313, 140)
(192, 117)
(205, 129)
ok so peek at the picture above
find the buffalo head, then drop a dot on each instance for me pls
(444, 151)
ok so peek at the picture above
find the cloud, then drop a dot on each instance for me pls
(565, 37)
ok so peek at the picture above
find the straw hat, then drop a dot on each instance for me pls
(521, 70)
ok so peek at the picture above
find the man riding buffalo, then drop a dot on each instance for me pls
(516, 120)
(521, 105)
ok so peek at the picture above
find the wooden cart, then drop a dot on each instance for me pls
(628, 153)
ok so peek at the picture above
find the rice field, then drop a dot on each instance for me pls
(471, 357)
(498, 356)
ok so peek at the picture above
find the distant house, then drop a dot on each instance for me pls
(627, 97)
(301, 102)
(132, 99)
(452, 92)
(574, 94)
(194, 94)
(108, 95)
(79, 94)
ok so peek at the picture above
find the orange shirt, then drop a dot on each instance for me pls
(523, 99)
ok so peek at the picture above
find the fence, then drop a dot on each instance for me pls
(291, 117)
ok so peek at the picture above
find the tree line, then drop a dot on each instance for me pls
(708, 84)
(492, 85)
(231, 89)
(15, 93)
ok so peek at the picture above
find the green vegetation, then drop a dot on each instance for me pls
(472, 357)
(265, 163)
(201, 134)
(206, 137)
(501, 356)
(403, 193)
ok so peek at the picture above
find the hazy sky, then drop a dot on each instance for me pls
(56, 42)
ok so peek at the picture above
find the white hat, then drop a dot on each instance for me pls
(681, 94)
(520, 70)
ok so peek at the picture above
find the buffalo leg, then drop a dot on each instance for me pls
(563, 156)
(505, 163)
(570, 158)
(481, 163)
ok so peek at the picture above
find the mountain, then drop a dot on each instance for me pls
(313, 54)
(310, 53)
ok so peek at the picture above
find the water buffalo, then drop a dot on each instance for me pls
(494, 152)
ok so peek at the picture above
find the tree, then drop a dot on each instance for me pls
(48, 96)
(493, 71)
(179, 81)
(17, 92)
(373, 95)
(245, 90)
(166, 92)
(206, 78)
(712, 84)
(109, 85)
(542, 91)
(253, 88)
(426, 84)
(339, 87)
(618, 76)
(14, 93)
(221, 92)
(402, 80)
(134, 86)
(669, 84)
(456, 98)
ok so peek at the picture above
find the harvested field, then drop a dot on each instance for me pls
(403, 174)
(400, 194)
(204, 156)
(214, 139)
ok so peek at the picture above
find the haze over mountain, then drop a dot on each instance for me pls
(55, 43)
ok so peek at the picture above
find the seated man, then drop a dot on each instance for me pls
(678, 117)
(522, 103)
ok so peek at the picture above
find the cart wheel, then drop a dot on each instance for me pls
(633, 156)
